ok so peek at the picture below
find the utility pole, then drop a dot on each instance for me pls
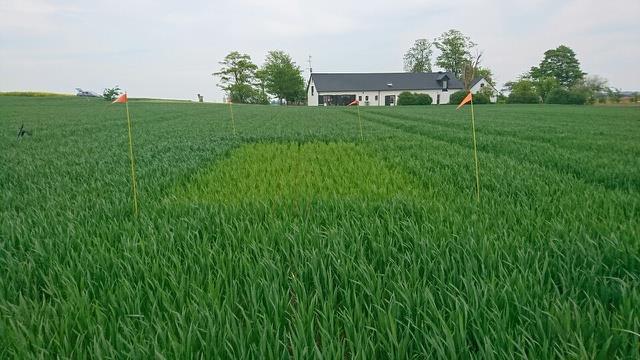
(310, 68)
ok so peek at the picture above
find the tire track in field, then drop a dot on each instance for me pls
(493, 133)
(563, 168)
(567, 169)
(559, 164)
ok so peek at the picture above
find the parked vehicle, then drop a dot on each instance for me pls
(81, 92)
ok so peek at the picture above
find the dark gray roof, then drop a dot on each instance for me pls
(381, 81)
(475, 81)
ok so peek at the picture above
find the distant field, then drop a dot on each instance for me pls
(31, 94)
(298, 239)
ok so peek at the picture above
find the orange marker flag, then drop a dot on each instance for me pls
(357, 103)
(121, 99)
(134, 186)
(233, 121)
(466, 100)
(469, 99)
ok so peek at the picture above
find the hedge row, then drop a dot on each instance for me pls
(478, 98)
(408, 98)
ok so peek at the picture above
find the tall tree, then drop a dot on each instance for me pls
(282, 77)
(470, 71)
(561, 64)
(261, 96)
(237, 77)
(523, 91)
(545, 86)
(455, 51)
(418, 57)
(487, 74)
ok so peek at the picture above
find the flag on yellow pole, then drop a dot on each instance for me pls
(357, 103)
(233, 121)
(121, 99)
(466, 100)
(134, 187)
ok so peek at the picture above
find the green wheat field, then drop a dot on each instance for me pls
(298, 239)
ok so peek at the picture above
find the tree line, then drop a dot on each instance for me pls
(457, 53)
(244, 82)
(558, 79)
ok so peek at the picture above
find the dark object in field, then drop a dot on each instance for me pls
(84, 93)
(22, 132)
(200, 98)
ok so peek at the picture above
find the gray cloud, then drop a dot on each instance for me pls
(169, 49)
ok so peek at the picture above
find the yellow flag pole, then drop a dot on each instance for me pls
(360, 123)
(475, 151)
(233, 121)
(134, 187)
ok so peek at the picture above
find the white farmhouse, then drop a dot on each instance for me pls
(381, 89)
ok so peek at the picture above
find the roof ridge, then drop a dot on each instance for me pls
(383, 81)
(379, 73)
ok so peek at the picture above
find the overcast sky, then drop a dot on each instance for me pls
(168, 49)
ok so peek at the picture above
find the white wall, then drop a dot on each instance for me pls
(444, 96)
(484, 83)
(312, 99)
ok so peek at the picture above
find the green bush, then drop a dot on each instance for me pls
(523, 91)
(566, 97)
(557, 96)
(523, 97)
(478, 98)
(260, 98)
(408, 98)
(110, 94)
(577, 98)
(457, 97)
(423, 99)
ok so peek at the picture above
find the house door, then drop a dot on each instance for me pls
(389, 100)
(438, 99)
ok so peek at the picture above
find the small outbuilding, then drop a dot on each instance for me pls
(480, 83)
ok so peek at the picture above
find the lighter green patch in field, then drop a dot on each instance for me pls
(290, 172)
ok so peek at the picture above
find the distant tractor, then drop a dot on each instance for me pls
(81, 92)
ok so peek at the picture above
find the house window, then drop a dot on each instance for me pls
(312, 91)
(445, 85)
(482, 85)
(376, 97)
(366, 98)
(360, 98)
